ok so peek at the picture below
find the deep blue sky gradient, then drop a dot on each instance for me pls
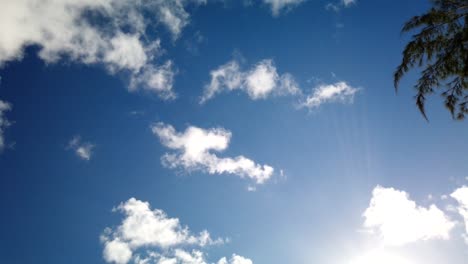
(55, 206)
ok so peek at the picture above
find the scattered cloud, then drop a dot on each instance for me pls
(279, 5)
(461, 196)
(336, 7)
(194, 151)
(157, 79)
(150, 236)
(4, 123)
(70, 30)
(261, 81)
(349, 2)
(83, 150)
(329, 93)
(399, 220)
(235, 259)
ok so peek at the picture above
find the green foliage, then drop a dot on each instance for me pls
(441, 47)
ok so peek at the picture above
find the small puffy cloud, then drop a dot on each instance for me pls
(235, 259)
(194, 151)
(83, 150)
(4, 123)
(117, 252)
(399, 220)
(329, 93)
(194, 257)
(119, 40)
(147, 236)
(278, 5)
(461, 196)
(261, 81)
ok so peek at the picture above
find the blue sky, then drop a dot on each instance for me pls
(227, 132)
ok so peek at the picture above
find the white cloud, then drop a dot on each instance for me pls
(348, 2)
(4, 123)
(126, 52)
(145, 227)
(278, 5)
(338, 6)
(235, 259)
(84, 150)
(194, 149)
(117, 252)
(156, 79)
(327, 93)
(195, 257)
(149, 236)
(63, 29)
(261, 81)
(461, 196)
(399, 220)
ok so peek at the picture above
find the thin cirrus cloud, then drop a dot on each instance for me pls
(259, 82)
(279, 5)
(193, 150)
(84, 150)
(339, 5)
(150, 236)
(349, 2)
(329, 93)
(4, 122)
(122, 45)
(398, 220)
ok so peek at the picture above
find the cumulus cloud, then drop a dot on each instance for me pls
(278, 5)
(4, 123)
(107, 32)
(261, 81)
(461, 196)
(149, 236)
(328, 93)
(235, 259)
(399, 220)
(83, 150)
(194, 151)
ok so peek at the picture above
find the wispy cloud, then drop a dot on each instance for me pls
(83, 150)
(150, 236)
(4, 123)
(349, 2)
(194, 151)
(339, 5)
(259, 82)
(328, 93)
(279, 5)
